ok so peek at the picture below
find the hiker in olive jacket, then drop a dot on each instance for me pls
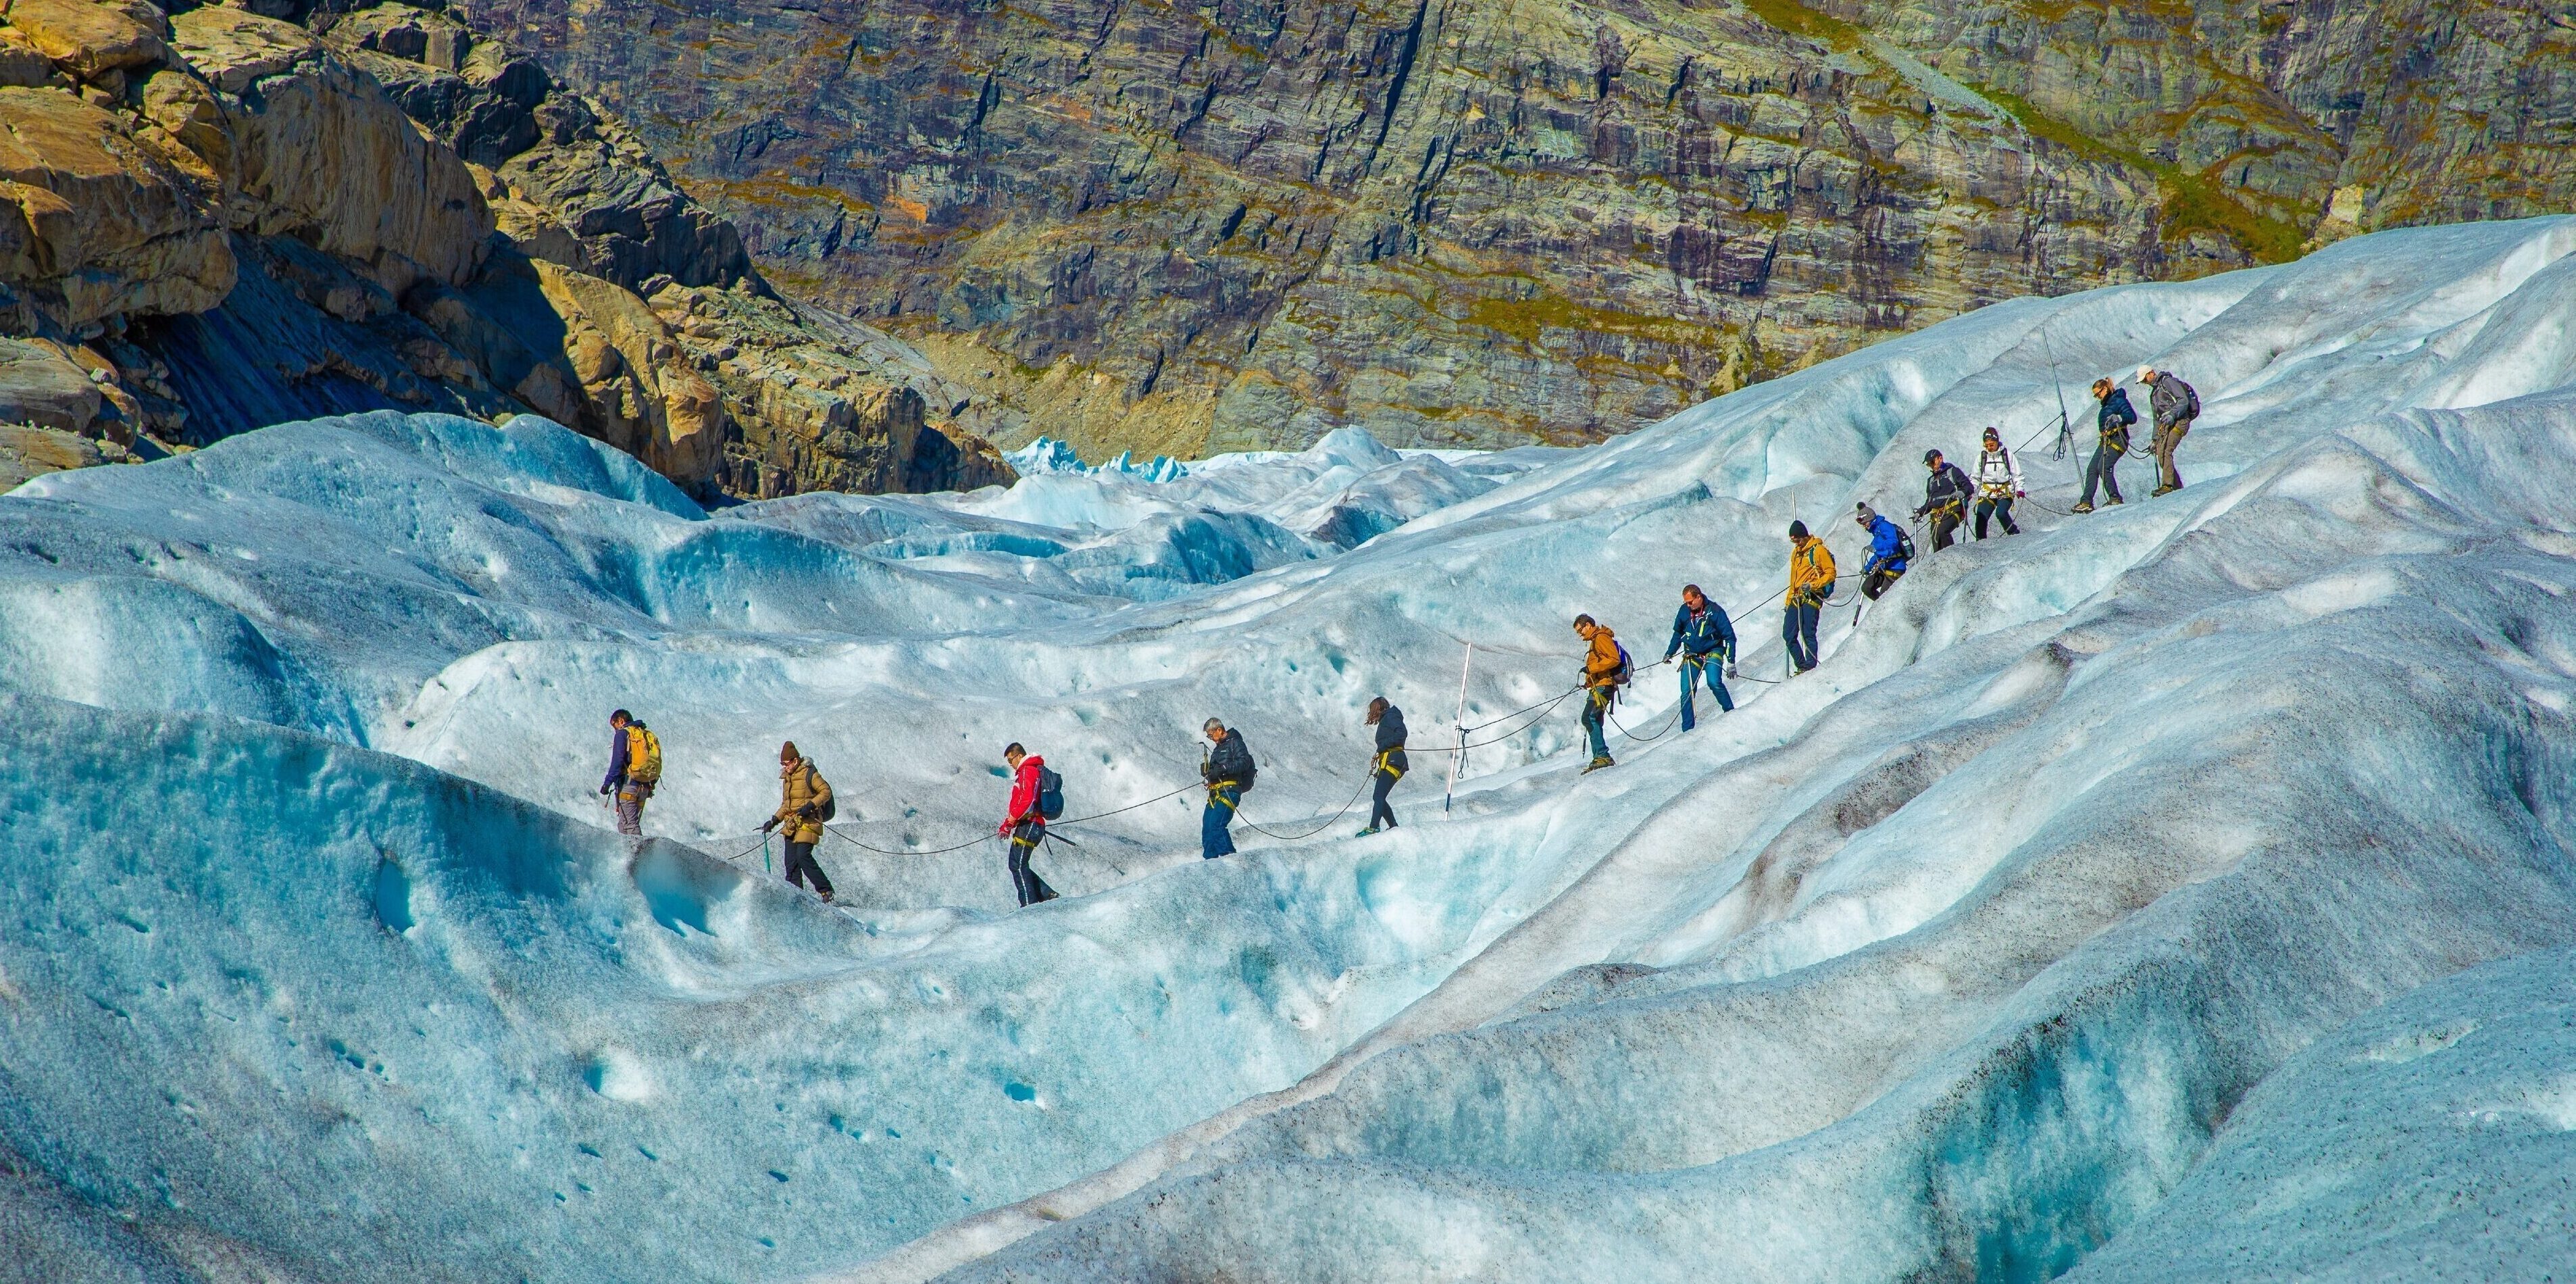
(2174, 405)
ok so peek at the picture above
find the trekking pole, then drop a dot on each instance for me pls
(2065, 421)
(1459, 758)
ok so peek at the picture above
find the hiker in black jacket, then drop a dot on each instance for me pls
(1228, 772)
(2111, 424)
(1389, 765)
(1945, 499)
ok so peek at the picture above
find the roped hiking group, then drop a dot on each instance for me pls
(1703, 644)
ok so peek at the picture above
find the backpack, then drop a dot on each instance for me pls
(1627, 668)
(1904, 547)
(2190, 400)
(831, 804)
(1050, 794)
(643, 755)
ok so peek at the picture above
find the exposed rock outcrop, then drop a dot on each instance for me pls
(98, 221)
(221, 220)
(1473, 222)
(316, 152)
(825, 408)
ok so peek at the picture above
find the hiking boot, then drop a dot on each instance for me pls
(2117, 500)
(1368, 831)
(827, 897)
(2085, 508)
(2164, 490)
(1597, 764)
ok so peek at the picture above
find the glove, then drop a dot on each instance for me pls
(2021, 494)
(604, 790)
(1730, 670)
(769, 824)
(806, 812)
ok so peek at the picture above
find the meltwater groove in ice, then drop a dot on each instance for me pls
(1956, 957)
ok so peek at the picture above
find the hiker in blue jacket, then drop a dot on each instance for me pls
(1702, 636)
(1887, 550)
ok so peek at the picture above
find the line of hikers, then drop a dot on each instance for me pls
(805, 801)
(1951, 496)
(1703, 640)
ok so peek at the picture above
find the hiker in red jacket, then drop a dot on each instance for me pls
(1025, 826)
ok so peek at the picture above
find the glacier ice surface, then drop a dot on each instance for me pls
(2018, 938)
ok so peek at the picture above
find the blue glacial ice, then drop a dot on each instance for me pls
(2039, 930)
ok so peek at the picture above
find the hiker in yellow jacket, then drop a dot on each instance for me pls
(1811, 581)
(804, 803)
(1605, 668)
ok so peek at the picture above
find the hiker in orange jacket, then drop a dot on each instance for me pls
(1605, 667)
(1811, 581)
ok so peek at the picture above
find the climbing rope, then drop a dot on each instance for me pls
(1078, 820)
(1669, 724)
(1560, 696)
(1541, 716)
(1328, 821)
(935, 851)
(1053, 824)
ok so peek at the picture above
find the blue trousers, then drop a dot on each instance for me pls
(1798, 631)
(1595, 707)
(1216, 837)
(1695, 669)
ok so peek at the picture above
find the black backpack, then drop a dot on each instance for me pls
(2190, 400)
(1050, 794)
(1904, 547)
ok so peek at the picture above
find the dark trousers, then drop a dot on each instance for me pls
(1596, 706)
(2105, 460)
(801, 868)
(2000, 506)
(1025, 837)
(1945, 525)
(1381, 815)
(1798, 630)
(1216, 835)
(1877, 582)
(1694, 669)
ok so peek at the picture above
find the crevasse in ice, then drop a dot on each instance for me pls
(2042, 928)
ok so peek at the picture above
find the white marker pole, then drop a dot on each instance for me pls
(1459, 758)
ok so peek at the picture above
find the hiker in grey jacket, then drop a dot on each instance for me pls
(2174, 405)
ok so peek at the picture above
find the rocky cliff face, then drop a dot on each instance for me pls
(219, 219)
(1183, 228)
